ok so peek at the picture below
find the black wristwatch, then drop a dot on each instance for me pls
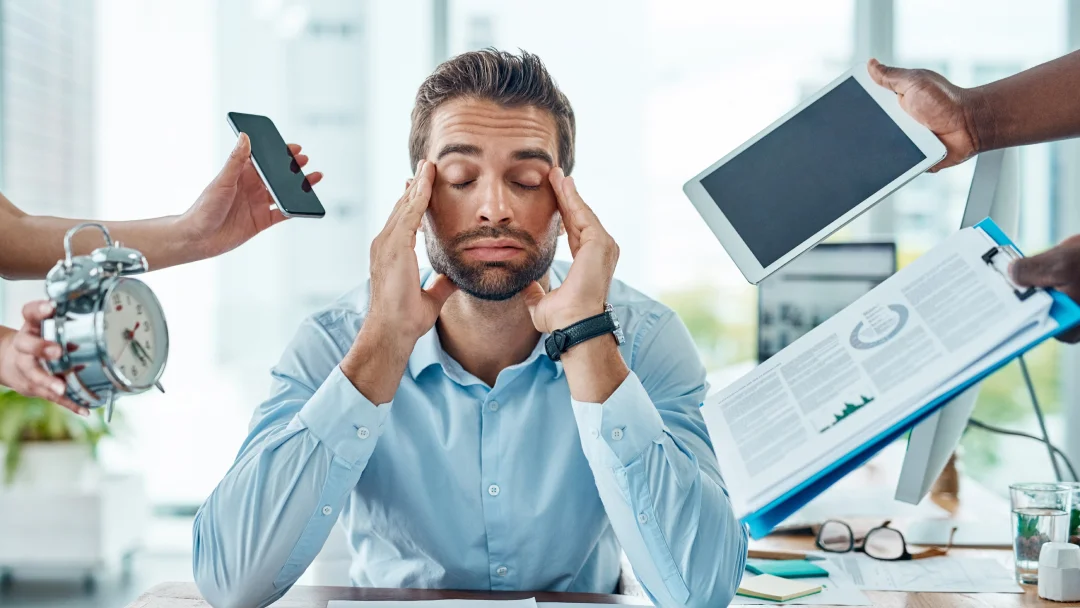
(561, 340)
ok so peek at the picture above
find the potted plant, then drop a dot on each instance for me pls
(44, 444)
(59, 511)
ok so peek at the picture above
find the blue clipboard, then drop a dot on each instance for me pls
(761, 522)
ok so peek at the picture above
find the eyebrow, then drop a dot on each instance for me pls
(471, 150)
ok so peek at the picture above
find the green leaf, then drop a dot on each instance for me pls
(25, 419)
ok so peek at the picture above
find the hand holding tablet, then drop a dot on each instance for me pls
(815, 169)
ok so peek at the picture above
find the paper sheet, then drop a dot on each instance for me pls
(932, 575)
(839, 590)
(876, 362)
(527, 603)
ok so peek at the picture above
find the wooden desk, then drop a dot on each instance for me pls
(186, 595)
(975, 502)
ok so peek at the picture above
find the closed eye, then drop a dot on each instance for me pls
(462, 185)
(526, 187)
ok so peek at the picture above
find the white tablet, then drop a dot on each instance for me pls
(817, 168)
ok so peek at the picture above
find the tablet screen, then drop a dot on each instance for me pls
(817, 166)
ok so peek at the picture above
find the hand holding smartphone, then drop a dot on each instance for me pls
(276, 166)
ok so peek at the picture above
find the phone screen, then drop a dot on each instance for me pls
(282, 176)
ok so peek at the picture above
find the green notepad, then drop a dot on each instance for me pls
(788, 568)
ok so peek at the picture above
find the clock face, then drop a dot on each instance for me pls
(136, 340)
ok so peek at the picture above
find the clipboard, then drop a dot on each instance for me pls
(1063, 310)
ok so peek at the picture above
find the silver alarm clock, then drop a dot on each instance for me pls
(110, 327)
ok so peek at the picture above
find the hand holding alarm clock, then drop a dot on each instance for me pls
(110, 327)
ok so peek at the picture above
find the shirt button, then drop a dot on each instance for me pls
(493, 489)
(493, 406)
(595, 433)
(501, 571)
(617, 434)
(363, 432)
(643, 518)
(327, 510)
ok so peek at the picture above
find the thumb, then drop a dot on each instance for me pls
(237, 160)
(1048, 269)
(532, 296)
(888, 77)
(441, 290)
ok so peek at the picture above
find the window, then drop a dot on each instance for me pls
(974, 42)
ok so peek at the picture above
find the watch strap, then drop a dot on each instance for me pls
(561, 340)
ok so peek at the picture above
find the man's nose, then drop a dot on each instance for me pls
(495, 205)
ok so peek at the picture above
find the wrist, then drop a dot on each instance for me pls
(376, 361)
(566, 318)
(186, 242)
(980, 120)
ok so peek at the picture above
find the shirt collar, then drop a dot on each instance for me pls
(428, 350)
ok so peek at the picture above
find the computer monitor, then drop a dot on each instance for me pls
(994, 193)
(815, 286)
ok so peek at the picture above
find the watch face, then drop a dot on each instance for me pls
(135, 335)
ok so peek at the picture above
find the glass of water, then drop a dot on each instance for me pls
(1074, 514)
(1040, 514)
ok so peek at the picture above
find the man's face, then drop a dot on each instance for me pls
(492, 224)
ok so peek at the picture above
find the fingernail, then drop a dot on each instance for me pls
(53, 352)
(85, 413)
(419, 166)
(46, 308)
(58, 387)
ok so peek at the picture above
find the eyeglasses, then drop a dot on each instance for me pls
(882, 543)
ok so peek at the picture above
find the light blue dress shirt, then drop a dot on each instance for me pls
(458, 485)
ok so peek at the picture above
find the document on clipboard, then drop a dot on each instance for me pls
(828, 402)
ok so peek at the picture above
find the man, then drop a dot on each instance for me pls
(1036, 105)
(423, 410)
(233, 208)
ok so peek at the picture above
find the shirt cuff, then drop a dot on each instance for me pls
(627, 422)
(343, 419)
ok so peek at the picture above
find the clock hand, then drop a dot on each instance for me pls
(138, 355)
(141, 352)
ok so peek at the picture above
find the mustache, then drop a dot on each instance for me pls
(493, 232)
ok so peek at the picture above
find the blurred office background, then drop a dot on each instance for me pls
(116, 109)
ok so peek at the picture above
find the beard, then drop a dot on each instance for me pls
(492, 280)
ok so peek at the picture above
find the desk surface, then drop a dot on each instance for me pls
(186, 595)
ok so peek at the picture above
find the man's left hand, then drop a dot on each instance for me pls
(1058, 267)
(585, 289)
(236, 205)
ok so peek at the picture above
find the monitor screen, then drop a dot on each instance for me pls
(809, 171)
(815, 286)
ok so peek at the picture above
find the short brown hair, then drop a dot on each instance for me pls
(498, 76)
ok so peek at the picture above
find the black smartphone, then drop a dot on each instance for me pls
(279, 171)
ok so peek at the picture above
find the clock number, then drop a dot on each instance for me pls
(105, 323)
(127, 298)
(147, 343)
(138, 309)
(123, 369)
(134, 371)
(116, 299)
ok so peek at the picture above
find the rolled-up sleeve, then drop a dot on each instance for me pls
(658, 477)
(306, 449)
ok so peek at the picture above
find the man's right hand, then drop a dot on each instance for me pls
(401, 311)
(938, 105)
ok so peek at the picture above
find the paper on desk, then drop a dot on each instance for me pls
(527, 603)
(839, 590)
(931, 575)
